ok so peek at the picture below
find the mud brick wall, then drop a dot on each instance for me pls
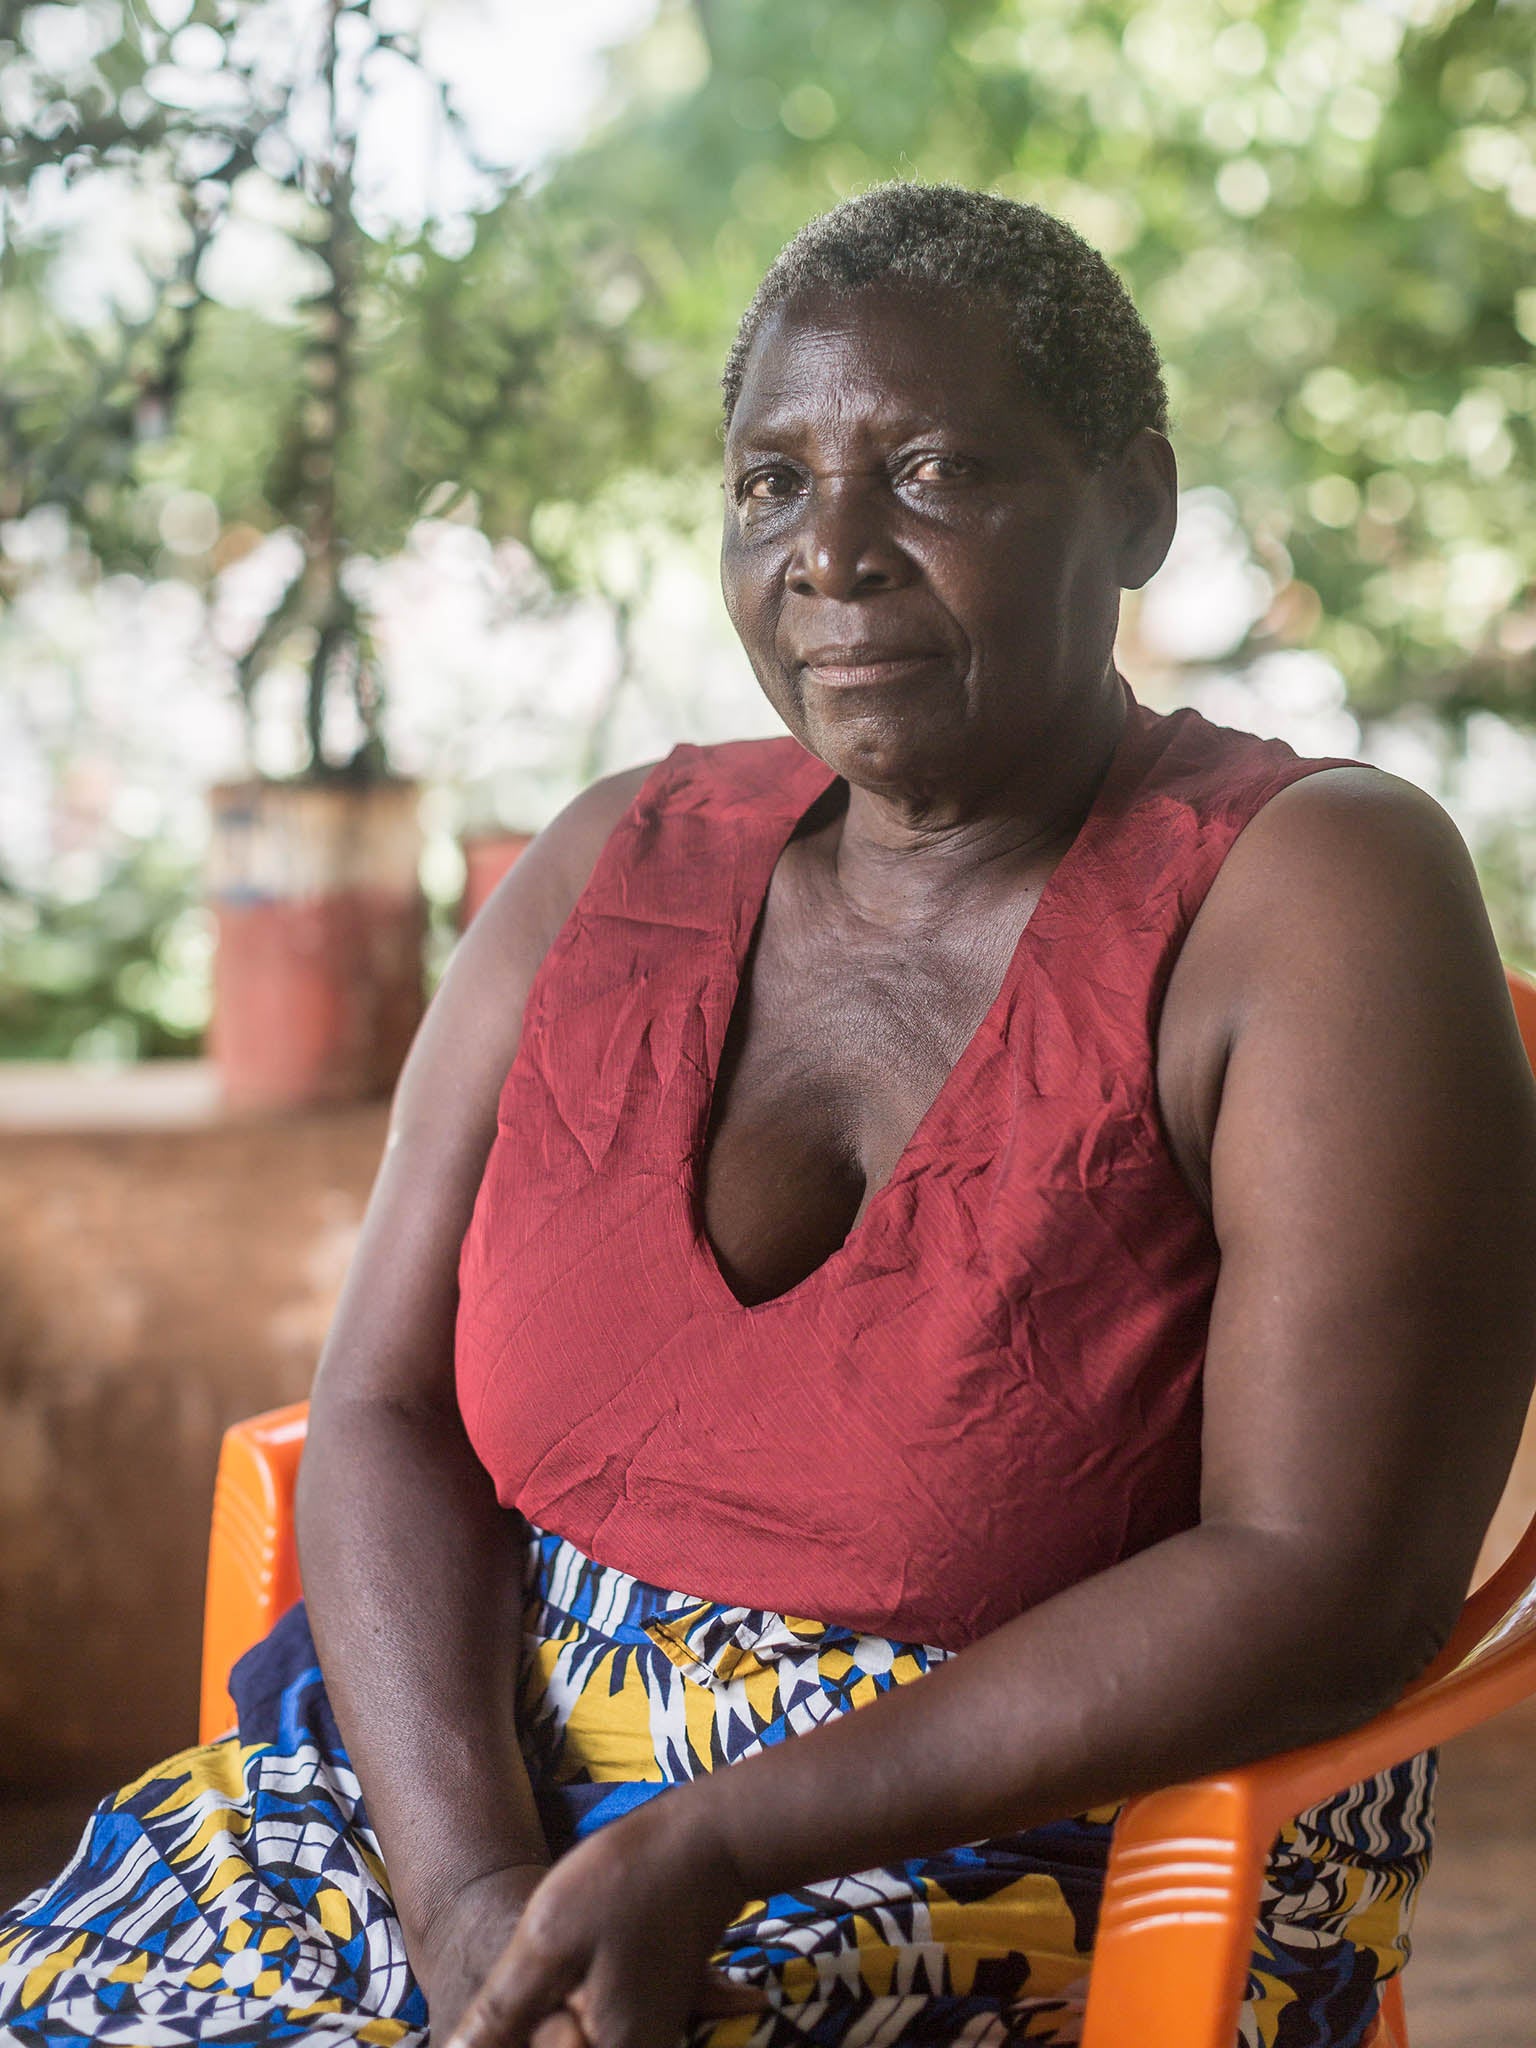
(155, 1285)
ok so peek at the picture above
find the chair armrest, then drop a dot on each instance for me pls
(253, 1560)
(1182, 1892)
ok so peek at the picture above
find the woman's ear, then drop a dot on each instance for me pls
(1145, 485)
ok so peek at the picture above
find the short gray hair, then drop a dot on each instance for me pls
(1082, 349)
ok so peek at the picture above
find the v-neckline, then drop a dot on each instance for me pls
(730, 989)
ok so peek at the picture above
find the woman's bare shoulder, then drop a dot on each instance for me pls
(1350, 888)
(520, 920)
(1352, 875)
(1349, 836)
(1347, 915)
(472, 1029)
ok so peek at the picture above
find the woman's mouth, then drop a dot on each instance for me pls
(865, 667)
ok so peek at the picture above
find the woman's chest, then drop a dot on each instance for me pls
(984, 1390)
(839, 1045)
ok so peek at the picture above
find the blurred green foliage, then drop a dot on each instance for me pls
(119, 975)
(1326, 209)
(1327, 212)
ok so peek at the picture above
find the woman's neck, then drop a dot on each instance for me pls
(904, 856)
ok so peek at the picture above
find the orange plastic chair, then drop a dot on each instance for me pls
(253, 1559)
(1181, 1898)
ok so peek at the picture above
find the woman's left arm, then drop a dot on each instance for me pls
(1337, 1043)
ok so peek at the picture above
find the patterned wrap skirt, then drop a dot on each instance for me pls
(236, 1893)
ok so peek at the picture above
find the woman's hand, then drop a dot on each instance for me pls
(612, 1950)
(455, 1954)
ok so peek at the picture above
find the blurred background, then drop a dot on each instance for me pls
(358, 501)
(358, 402)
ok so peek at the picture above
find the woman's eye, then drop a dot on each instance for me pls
(771, 486)
(937, 469)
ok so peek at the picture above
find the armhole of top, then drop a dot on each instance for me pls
(1286, 776)
(645, 798)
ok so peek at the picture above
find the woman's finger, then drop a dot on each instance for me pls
(520, 1992)
(721, 1997)
(561, 2030)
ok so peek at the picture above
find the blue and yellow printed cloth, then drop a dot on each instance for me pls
(235, 1894)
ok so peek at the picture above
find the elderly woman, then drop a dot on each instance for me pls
(1001, 1210)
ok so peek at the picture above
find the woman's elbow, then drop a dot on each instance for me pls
(1363, 1659)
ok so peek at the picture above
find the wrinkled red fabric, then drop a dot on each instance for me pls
(992, 1389)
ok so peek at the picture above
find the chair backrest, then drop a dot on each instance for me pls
(1497, 1607)
(253, 1560)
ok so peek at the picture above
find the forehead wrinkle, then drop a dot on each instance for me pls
(836, 420)
(840, 372)
(840, 407)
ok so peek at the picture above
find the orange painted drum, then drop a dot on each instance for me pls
(487, 857)
(319, 917)
(1522, 993)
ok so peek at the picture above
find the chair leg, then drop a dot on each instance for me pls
(1390, 2028)
(1394, 2017)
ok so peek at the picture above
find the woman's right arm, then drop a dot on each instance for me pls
(412, 1571)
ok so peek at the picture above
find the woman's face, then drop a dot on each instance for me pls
(923, 569)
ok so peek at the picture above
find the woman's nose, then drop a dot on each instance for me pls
(844, 548)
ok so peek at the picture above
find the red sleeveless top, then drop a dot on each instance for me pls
(992, 1388)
